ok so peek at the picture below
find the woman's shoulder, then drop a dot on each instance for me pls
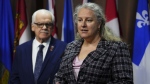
(116, 43)
(75, 43)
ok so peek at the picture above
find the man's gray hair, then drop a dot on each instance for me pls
(42, 11)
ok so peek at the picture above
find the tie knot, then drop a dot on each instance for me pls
(41, 47)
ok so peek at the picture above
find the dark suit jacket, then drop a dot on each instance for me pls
(110, 63)
(22, 72)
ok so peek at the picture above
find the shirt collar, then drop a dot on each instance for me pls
(36, 43)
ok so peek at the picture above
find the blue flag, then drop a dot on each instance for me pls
(141, 49)
(6, 40)
(68, 24)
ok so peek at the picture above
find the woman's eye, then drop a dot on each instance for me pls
(79, 20)
(89, 20)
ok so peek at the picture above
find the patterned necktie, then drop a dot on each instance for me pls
(39, 61)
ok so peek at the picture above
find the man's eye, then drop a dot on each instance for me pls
(48, 24)
(40, 24)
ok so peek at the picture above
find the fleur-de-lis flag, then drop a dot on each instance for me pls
(141, 48)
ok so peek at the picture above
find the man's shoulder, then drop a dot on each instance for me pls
(26, 44)
(60, 42)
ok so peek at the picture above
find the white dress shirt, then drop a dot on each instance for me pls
(35, 48)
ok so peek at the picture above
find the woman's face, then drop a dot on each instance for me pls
(87, 24)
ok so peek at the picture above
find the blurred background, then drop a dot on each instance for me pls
(126, 13)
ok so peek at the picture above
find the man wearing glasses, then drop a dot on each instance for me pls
(37, 61)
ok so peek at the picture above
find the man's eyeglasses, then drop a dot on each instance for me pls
(41, 25)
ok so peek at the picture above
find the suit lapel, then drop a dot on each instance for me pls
(72, 54)
(49, 54)
(100, 50)
(70, 66)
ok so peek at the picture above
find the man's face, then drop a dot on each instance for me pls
(42, 27)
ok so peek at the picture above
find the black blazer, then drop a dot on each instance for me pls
(110, 63)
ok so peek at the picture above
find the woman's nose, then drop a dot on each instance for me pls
(83, 23)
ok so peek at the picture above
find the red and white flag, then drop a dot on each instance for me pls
(22, 30)
(51, 7)
(111, 17)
